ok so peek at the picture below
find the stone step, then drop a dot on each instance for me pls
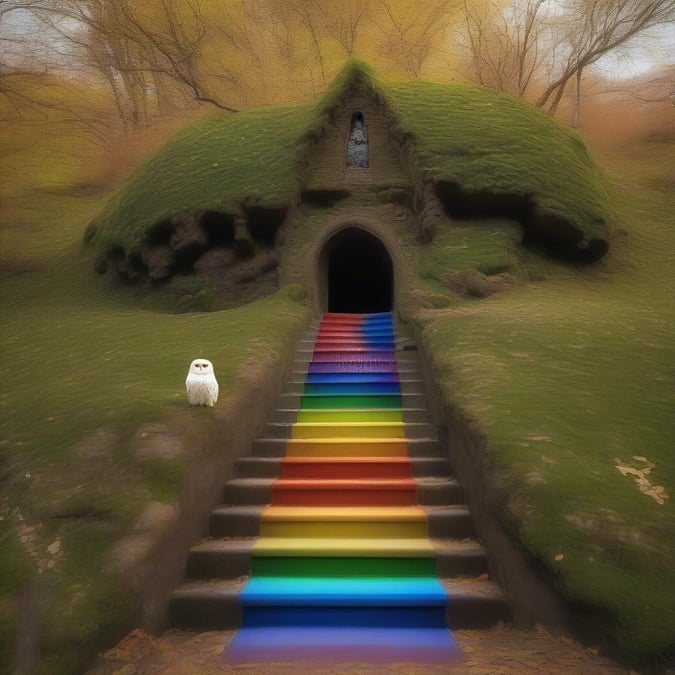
(443, 522)
(404, 386)
(407, 369)
(428, 491)
(270, 467)
(232, 558)
(348, 447)
(338, 430)
(341, 401)
(400, 358)
(407, 415)
(216, 605)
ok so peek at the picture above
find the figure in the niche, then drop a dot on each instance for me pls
(357, 148)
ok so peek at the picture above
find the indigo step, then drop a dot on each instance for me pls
(359, 388)
(216, 605)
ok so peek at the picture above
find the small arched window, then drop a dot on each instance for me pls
(357, 144)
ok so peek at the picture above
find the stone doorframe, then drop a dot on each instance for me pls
(317, 260)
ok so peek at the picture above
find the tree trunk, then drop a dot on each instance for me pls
(577, 100)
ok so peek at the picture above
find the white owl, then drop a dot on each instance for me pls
(201, 383)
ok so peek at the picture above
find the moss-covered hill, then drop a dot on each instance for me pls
(482, 152)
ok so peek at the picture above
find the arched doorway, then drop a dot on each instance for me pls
(356, 273)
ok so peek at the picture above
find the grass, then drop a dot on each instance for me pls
(83, 365)
(571, 379)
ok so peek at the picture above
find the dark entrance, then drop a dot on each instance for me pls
(360, 273)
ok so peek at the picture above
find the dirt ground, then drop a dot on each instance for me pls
(500, 650)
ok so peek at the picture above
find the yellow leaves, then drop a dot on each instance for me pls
(656, 492)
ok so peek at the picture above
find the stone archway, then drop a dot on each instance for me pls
(355, 273)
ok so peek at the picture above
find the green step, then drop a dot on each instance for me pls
(302, 566)
(350, 415)
(315, 401)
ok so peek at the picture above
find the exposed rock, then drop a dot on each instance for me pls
(255, 267)
(187, 232)
(502, 281)
(215, 261)
(159, 260)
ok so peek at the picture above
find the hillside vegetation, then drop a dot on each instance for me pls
(571, 380)
(484, 152)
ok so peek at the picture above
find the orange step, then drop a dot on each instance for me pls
(307, 468)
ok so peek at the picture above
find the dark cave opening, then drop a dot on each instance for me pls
(359, 273)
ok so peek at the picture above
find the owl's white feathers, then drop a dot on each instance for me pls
(201, 383)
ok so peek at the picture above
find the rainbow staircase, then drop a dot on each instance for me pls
(344, 537)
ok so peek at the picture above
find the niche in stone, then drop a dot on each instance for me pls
(358, 273)
(357, 144)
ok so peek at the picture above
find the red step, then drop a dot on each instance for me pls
(346, 492)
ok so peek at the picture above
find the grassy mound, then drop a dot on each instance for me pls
(486, 155)
(216, 164)
(483, 147)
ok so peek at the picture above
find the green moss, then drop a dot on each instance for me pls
(461, 134)
(214, 164)
(468, 135)
(487, 246)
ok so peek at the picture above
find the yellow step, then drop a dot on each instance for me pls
(414, 547)
(348, 430)
(344, 522)
(347, 447)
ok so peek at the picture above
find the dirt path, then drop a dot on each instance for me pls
(503, 650)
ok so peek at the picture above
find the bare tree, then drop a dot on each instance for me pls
(594, 28)
(511, 46)
(410, 31)
(503, 42)
(343, 21)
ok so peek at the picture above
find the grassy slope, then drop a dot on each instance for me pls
(77, 356)
(214, 164)
(569, 375)
(468, 135)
